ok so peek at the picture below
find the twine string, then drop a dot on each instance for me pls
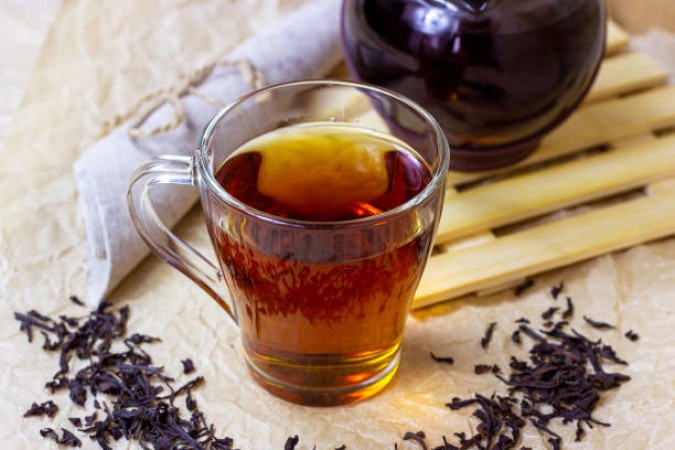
(187, 85)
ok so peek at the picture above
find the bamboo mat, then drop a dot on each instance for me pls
(603, 181)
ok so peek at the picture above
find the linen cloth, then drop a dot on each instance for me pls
(305, 44)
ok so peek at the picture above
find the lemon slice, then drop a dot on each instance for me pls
(322, 168)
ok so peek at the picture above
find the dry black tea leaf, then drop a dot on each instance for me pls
(515, 337)
(524, 286)
(89, 420)
(188, 366)
(546, 315)
(555, 443)
(500, 425)
(291, 442)
(76, 421)
(487, 337)
(442, 359)
(75, 299)
(481, 369)
(557, 383)
(563, 379)
(418, 437)
(67, 439)
(141, 400)
(557, 290)
(49, 433)
(569, 311)
(48, 408)
(531, 333)
(630, 334)
(446, 445)
(599, 325)
(222, 444)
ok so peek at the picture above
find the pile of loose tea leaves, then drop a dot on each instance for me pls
(563, 378)
(130, 397)
(143, 398)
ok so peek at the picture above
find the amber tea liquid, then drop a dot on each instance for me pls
(323, 310)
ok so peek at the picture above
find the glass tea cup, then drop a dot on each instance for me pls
(322, 221)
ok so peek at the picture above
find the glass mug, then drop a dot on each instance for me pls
(322, 222)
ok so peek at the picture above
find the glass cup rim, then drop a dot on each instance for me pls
(207, 176)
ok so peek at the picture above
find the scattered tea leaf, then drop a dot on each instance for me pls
(188, 366)
(546, 315)
(599, 325)
(49, 433)
(75, 299)
(500, 426)
(569, 311)
(418, 437)
(442, 359)
(487, 337)
(630, 334)
(524, 286)
(48, 408)
(515, 337)
(563, 378)
(291, 442)
(557, 290)
(67, 439)
(481, 369)
(143, 399)
(76, 421)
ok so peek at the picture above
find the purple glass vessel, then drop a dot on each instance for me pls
(497, 74)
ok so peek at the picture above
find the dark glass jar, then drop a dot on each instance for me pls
(497, 74)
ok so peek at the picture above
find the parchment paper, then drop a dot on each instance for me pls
(24, 24)
(640, 16)
(304, 44)
(101, 57)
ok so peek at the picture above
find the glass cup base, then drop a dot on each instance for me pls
(366, 384)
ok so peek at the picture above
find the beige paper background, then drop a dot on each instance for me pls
(639, 16)
(98, 59)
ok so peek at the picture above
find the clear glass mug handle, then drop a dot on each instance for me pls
(165, 244)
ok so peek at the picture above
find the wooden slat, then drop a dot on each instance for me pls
(546, 247)
(617, 39)
(465, 241)
(624, 108)
(596, 125)
(555, 187)
(623, 74)
(626, 73)
(661, 186)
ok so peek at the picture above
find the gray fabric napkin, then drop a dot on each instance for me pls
(303, 44)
